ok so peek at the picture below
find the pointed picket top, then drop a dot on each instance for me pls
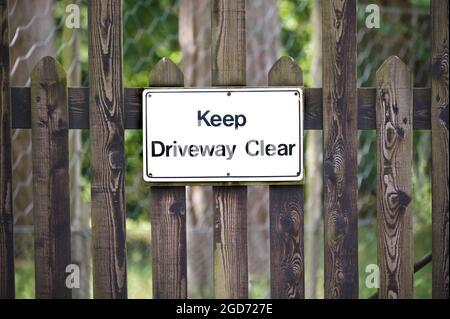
(394, 77)
(285, 71)
(395, 70)
(48, 75)
(393, 61)
(166, 73)
(49, 69)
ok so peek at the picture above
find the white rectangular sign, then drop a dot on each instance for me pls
(223, 135)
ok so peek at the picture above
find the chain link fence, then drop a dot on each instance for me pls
(181, 30)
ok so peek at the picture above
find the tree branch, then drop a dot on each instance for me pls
(422, 262)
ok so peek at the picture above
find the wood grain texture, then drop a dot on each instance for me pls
(228, 43)
(394, 179)
(169, 242)
(440, 153)
(418, 265)
(340, 148)
(168, 215)
(287, 270)
(230, 242)
(107, 145)
(6, 211)
(50, 154)
(230, 203)
(79, 108)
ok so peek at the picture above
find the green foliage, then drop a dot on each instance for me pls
(139, 274)
(24, 266)
(296, 33)
(150, 33)
(396, 36)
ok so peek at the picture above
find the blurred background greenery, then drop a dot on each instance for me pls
(152, 30)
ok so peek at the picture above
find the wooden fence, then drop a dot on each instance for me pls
(394, 109)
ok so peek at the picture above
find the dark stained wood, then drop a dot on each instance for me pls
(440, 154)
(169, 242)
(107, 144)
(6, 211)
(230, 242)
(230, 202)
(51, 209)
(340, 148)
(79, 108)
(394, 179)
(418, 265)
(287, 270)
(168, 215)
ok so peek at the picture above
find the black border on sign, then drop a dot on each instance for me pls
(212, 90)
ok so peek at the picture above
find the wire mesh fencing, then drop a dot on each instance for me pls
(181, 30)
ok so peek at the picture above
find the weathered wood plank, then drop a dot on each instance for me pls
(51, 209)
(287, 270)
(230, 213)
(418, 265)
(439, 122)
(394, 179)
(168, 215)
(169, 242)
(340, 149)
(6, 211)
(228, 43)
(106, 106)
(79, 108)
(230, 242)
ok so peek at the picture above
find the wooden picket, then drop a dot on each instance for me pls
(440, 154)
(79, 108)
(6, 211)
(230, 202)
(394, 179)
(394, 108)
(340, 148)
(287, 263)
(168, 214)
(51, 209)
(106, 121)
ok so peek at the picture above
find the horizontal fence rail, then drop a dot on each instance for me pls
(79, 108)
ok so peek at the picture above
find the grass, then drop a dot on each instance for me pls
(140, 274)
